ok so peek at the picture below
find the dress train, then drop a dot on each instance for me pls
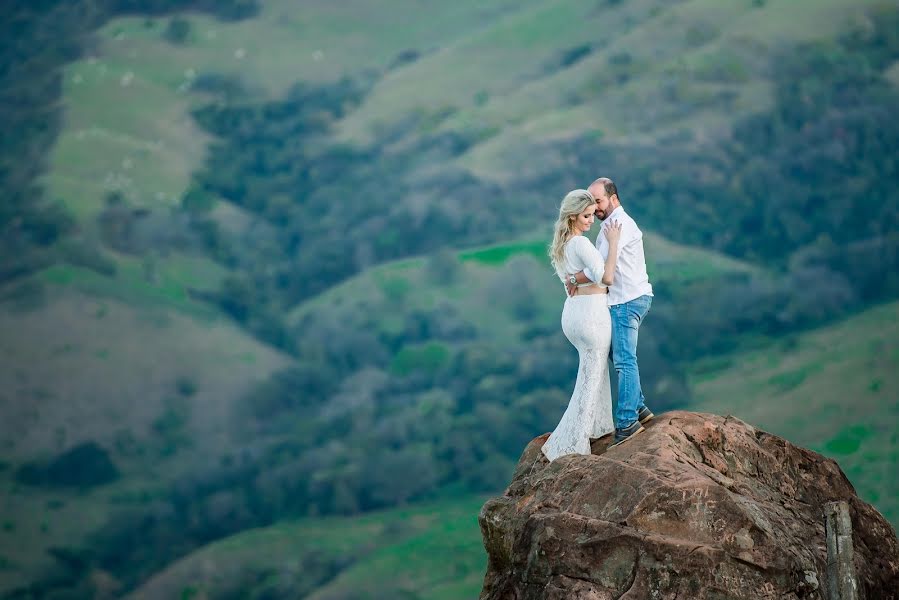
(587, 324)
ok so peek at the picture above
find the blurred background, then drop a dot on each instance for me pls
(276, 315)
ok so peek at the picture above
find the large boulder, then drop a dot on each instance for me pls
(697, 506)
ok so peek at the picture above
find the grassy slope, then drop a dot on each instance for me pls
(83, 367)
(834, 390)
(491, 287)
(88, 367)
(101, 358)
(83, 379)
(127, 107)
(128, 128)
(430, 550)
(471, 290)
(680, 54)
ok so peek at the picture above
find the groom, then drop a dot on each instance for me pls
(629, 299)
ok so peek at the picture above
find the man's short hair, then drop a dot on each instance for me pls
(608, 185)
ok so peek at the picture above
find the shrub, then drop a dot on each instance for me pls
(82, 253)
(197, 200)
(186, 386)
(178, 30)
(405, 57)
(24, 296)
(86, 465)
(429, 357)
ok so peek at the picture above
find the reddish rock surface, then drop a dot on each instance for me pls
(696, 507)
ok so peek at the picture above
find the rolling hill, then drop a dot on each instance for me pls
(795, 388)
(132, 350)
(430, 550)
(168, 398)
(155, 387)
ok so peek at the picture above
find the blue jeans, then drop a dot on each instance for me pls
(626, 319)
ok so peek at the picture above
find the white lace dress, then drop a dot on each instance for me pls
(587, 324)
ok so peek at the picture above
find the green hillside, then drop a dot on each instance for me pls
(291, 263)
(128, 125)
(431, 550)
(497, 70)
(834, 390)
(795, 389)
(164, 398)
(155, 387)
(515, 79)
(504, 290)
(500, 78)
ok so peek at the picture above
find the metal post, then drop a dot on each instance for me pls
(841, 581)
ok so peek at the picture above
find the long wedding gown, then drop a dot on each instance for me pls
(588, 326)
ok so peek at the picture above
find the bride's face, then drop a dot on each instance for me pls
(584, 220)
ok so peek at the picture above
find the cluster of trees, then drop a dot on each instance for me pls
(31, 54)
(332, 210)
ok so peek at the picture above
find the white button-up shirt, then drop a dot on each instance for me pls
(631, 279)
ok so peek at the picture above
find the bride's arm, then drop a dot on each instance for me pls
(580, 277)
(592, 259)
(588, 274)
(589, 257)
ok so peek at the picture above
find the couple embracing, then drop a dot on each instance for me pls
(609, 294)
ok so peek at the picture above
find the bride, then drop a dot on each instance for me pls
(586, 323)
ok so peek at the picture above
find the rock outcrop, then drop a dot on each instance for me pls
(698, 506)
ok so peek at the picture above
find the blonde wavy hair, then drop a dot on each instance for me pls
(572, 205)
